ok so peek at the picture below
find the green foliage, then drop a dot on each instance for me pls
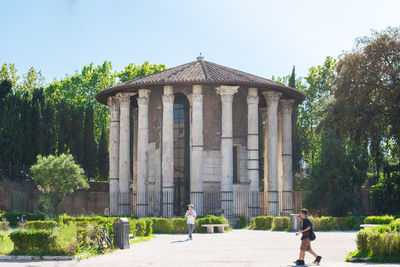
(162, 226)
(149, 226)
(242, 223)
(179, 225)
(6, 245)
(40, 225)
(263, 223)
(133, 71)
(103, 156)
(141, 227)
(14, 217)
(66, 240)
(58, 176)
(386, 194)
(379, 219)
(89, 145)
(280, 224)
(33, 242)
(335, 223)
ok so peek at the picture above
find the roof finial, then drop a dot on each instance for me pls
(200, 57)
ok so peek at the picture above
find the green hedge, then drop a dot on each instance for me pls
(382, 241)
(242, 222)
(209, 219)
(335, 223)
(162, 226)
(40, 225)
(379, 219)
(12, 217)
(33, 242)
(262, 222)
(281, 224)
(179, 225)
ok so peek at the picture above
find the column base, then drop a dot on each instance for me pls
(124, 203)
(197, 198)
(273, 203)
(167, 198)
(227, 204)
(254, 204)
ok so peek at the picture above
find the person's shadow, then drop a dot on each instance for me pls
(180, 241)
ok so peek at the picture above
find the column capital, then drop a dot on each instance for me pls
(252, 99)
(272, 96)
(286, 105)
(143, 99)
(227, 90)
(124, 98)
(113, 103)
(197, 95)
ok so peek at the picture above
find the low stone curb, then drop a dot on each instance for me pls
(353, 259)
(16, 257)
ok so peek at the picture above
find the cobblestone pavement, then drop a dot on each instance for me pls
(235, 248)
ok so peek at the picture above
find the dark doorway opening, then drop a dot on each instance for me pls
(181, 154)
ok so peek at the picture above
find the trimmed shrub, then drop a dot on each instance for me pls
(40, 225)
(209, 219)
(132, 226)
(281, 224)
(149, 226)
(179, 225)
(140, 227)
(14, 217)
(362, 239)
(161, 226)
(263, 222)
(33, 242)
(379, 219)
(316, 222)
(327, 223)
(242, 223)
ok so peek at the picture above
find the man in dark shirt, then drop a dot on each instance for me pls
(307, 236)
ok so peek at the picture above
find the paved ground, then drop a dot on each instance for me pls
(235, 248)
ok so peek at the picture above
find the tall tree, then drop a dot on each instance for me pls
(89, 145)
(103, 163)
(296, 146)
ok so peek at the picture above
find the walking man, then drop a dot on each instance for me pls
(307, 236)
(190, 217)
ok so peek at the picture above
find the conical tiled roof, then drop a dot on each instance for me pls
(199, 72)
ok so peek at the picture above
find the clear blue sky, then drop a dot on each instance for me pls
(261, 37)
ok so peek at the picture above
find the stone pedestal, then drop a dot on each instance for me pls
(168, 152)
(227, 93)
(113, 105)
(143, 150)
(287, 176)
(196, 169)
(252, 151)
(272, 99)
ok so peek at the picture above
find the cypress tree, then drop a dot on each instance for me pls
(49, 129)
(103, 155)
(296, 146)
(89, 145)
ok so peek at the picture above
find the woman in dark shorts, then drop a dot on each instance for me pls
(306, 238)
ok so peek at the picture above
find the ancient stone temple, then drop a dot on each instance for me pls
(191, 134)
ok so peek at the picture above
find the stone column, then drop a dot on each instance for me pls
(252, 151)
(227, 93)
(196, 169)
(287, 107)
(272, 99)
(113, 105)
(265, 154)
(134, 160)
(280, 170)
(143, 151)
(124, 206)
(168, 152)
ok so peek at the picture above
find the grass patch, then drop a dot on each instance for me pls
(362, 256)
(140, 239)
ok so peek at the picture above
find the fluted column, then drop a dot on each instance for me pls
(168, 152)
(272, 99)
(196, 169)
(265, 155)
(252, 151)
(227, 93)
(124, 206)
(113, 105)
(287, 107)
(143, 150)
(280, 169)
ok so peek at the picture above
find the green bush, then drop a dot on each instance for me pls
(140, 227)
(162, 226)
(14, 217)
(149, 226)
(4, 225)
(6, 245)
(281, 224)
(263, 222)
(379, 219)
(242, 223)
(33, 242)
(66, 240)
(316, 222)
(132, 226)
(209, 219)
(179, 225)
(327, 223)
(40, 225)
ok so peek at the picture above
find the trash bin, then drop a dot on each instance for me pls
(294, 223)
(121, 233)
